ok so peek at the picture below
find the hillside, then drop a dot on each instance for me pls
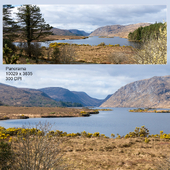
(117, 30)
(57, 31)
(153, 92)
(24, 97)
(79, 33)
(71, 32)
(61, 94)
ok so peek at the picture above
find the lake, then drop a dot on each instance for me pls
(119, 120)
(93, 41)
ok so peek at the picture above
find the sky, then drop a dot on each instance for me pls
(90, 17)
(98, 81)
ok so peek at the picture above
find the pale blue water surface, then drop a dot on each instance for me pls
(119, 120)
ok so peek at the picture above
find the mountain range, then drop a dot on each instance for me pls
(14, 96)
(51, 96)
(117, 30)
(148, 93)
(65, 95)
(57, 31)
(108, 31)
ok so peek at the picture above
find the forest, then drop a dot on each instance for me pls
(145, 33)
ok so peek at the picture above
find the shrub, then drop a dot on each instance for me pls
(147, 140)
(96, 134)
(6, 158)
(118, 58)
(153, 51)
(138, 132)
(9, 56)
(63, 55)
(101, 44)
(112, 135)
(35, 151)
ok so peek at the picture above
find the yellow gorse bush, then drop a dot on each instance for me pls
(14, 133)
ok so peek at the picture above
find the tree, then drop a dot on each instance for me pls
(154, 50)
(32, 24)
(10, 27)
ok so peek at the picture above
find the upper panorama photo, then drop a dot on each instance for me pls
(84, 34)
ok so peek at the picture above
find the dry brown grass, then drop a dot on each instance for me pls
(55, 37)
(115, 154)
(88, 54)
(37, 112)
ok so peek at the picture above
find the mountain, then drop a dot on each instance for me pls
(50, 96)
(72, 32)
(152, 93)
(61, 94)
(57, 31)
(79, 33)
(117, 30)
(14, 96)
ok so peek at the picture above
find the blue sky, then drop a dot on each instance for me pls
(96, 80)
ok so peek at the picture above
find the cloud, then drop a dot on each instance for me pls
(96, 80)
(89, 17)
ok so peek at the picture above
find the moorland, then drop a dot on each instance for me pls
(152, 50)
(30, 147)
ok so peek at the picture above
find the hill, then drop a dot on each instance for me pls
(148, 93)
(14, 96)
(71, 32)
(79, 33)
(61, 94)
(57, 31)
(117, 30)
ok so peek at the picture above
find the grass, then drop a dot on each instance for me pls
(11, 112)
(81, 54)
(97, 152)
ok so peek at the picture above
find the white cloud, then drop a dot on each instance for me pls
(90, 17)
(96, 80)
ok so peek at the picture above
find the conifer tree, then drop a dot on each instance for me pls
(10, 27)
(32, 24)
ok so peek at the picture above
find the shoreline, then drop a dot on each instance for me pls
(149, 110)
(12, 112)
(57, 37)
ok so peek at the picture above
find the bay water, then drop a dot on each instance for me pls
(118, 121)
(92, 41)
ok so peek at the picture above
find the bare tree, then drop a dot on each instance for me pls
(35, 150)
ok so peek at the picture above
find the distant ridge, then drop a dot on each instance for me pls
(153, 92)
(117, 30)
(62, 94)
(71, 32)
(14, 96)
(79, 33)
(45, 97)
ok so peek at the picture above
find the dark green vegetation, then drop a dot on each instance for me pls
(70, 104)
(10, 29)
(153, 46)
(143, 34)
(30, 26)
